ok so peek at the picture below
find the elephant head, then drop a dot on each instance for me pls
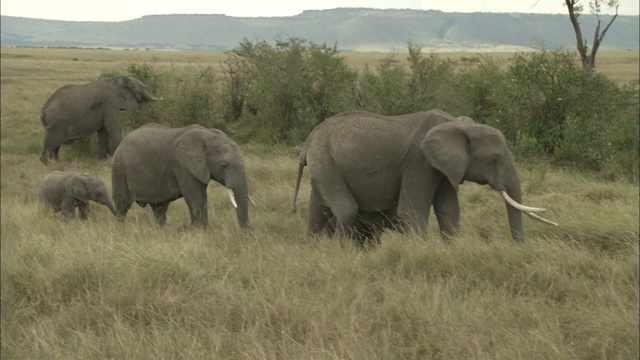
(209, 154)
(130, 92)
(84, 187)
(462, 150)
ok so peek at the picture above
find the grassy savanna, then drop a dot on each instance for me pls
(102, 289)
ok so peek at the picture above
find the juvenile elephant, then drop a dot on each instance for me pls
(75, 111)
(156, 165)
(66, 191)
(361, 162)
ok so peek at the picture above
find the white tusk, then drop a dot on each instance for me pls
(520, 207)
(540, 218)
(232, 196)
(156, 99)
(253, 202)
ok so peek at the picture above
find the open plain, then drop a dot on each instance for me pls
(100, 289)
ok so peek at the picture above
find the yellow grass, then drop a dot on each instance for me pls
(102, 289)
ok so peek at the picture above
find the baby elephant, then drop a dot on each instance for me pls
(66, 190)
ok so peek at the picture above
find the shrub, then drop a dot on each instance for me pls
(385, 90)
(423, 83)
(574, 114)
(432, 81)
(475, 93)
(191, 97)
(287, 88)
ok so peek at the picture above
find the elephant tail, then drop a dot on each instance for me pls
(43, 119)
(46, 117)
(301, 164)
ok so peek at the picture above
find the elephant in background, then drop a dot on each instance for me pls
(66, 190)
(76, 111)
(401, 166)
(156, 165)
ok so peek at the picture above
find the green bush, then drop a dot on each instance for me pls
(475, 91)
(395, 88)
(432, 82)
(385, 90)
(287, 89)
(192, 97)
(574, 115)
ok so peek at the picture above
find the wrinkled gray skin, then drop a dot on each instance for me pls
(76, 111)
(368, 226)
(400, 166)
(66, 191)
(156, 165)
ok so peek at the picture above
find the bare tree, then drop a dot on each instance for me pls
(575, 9)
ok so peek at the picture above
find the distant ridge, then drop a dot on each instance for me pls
(352, 29)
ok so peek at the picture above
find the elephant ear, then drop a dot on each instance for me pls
(190, 151)
(125, 93)
(76, 186)
(446, 148)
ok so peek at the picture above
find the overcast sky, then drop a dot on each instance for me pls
(120, 10)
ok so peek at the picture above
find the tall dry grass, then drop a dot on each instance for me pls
(103, 289)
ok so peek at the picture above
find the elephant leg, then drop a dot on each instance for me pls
(103, 143)
(121, 202)
(364, 232)
(329, 227)
(83, 208)
(122, 208)
(343, 205)
(319, 215)
(68, 207)
(414, 205)
(160, 212)
(113, 129)
(122, 199)
(369, 226)
(447, 210)
(195, 195)
(56, 151)
(51, 146)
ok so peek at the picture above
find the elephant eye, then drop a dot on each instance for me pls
(224, 164)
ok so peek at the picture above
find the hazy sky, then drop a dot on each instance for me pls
(120, 10)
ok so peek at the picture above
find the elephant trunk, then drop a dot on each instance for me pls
(107, 202)
(515, 215)
(240, 197)
(515, 208)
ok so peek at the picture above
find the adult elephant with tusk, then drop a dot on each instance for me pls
(403, 165)
(156, 165)
(75, 111)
